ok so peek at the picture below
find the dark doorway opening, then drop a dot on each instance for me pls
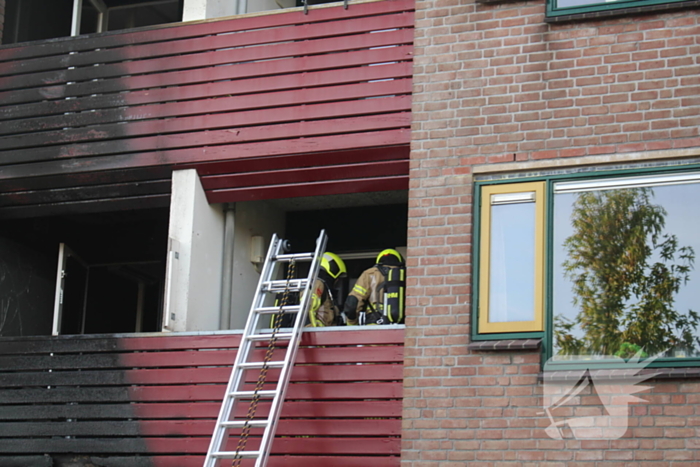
(357, 234)
(108, 269)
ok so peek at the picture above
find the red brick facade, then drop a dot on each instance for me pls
(496, 84)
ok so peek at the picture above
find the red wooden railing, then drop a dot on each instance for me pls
(152, 401)
(263, 107)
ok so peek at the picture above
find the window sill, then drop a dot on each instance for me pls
(621, 374)
(505, 345)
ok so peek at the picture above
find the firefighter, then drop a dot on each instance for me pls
(324, 311)
(378, 294)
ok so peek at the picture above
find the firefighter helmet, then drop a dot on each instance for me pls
(333, 265)
(390, 257)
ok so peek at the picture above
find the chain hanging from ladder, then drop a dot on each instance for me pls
(262, 377)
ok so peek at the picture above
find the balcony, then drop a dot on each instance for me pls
(152, 399)
(263, 106)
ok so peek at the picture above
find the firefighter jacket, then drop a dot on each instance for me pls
(367, 293)
(323, 311)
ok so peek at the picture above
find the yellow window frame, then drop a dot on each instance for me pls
(537, 324)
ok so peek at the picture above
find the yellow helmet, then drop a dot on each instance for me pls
(333, 265)
(390, 257)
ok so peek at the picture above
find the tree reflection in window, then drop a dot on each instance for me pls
(624, 270)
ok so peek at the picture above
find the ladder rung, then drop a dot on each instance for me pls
(233, 454)
(268, 394)
(281, 336)
(241, 423)
(294, 285)
(271, 310)
(295, 257)
(274, 364)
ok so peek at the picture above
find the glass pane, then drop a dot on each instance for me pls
(572, 3)
(624, 275)
(512, 268)
(89, 18)
(150, 13)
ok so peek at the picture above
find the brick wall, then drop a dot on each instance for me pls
(495, 84)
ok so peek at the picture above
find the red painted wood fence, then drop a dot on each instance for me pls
(152, 401)
(268, 106)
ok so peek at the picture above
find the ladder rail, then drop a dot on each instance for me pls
(290, 356)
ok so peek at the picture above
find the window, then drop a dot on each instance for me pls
(28, 20)
(616, 265)
(557, 8)
(512, 248)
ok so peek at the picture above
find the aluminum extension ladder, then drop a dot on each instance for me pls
(255, 333)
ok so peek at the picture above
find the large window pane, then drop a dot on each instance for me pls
(624, 277)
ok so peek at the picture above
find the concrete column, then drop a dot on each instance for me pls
(195, 259)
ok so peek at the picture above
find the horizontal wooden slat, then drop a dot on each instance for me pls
(350, 372)
(306, 391)
(387, 335)
(189, 358)
(198, 410)
(361, 446)
(201, 410)
(328, 427)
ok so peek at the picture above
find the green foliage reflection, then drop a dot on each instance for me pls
(625, 273)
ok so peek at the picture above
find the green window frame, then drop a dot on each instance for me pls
(557, 8)
(658, 197)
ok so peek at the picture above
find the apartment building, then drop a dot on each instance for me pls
(536, 159)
